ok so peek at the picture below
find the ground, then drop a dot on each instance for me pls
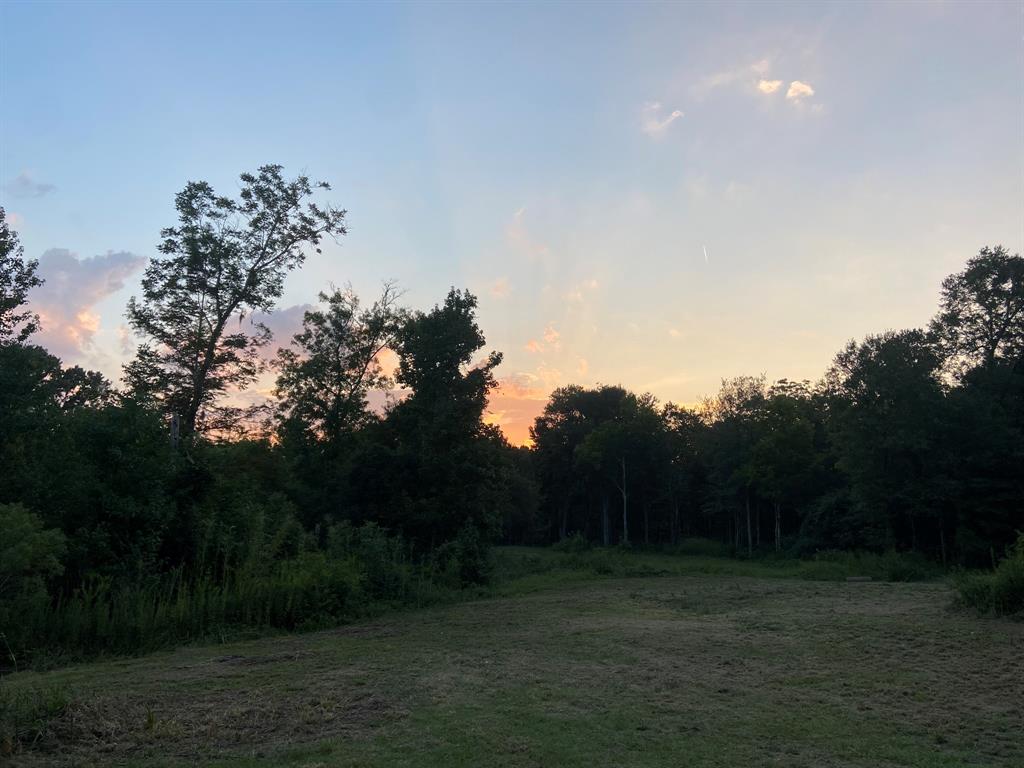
(697, 670)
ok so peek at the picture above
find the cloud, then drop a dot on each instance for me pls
(745, 74)
(582, 366)
(674, 333)
(73, 287)
(283, 323)
(517, 401)
(798, 90)
(519, 239)
(577, 293)
(23, 186)
(652, 121)
(769, 86)
(499, 288)
(551, 341)
(14, 219)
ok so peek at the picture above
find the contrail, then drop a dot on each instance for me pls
(705, 254)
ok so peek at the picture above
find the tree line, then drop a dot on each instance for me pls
(912, 440)
(162, 508)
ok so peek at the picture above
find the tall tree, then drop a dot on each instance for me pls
(17, 278)
(886, 408)
(433, 467)
(784, 456)
(981, 316)
(224, 260)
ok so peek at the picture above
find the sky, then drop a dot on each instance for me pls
(652, 195)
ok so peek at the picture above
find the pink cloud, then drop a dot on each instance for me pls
(67, 299)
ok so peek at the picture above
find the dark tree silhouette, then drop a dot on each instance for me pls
(17, 278)
(225, 259)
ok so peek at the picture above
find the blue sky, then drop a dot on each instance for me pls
(835, 161)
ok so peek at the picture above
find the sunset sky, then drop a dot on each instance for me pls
(653, 195)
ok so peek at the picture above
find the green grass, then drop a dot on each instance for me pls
(709, 662)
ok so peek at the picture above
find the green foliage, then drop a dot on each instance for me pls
(466, 561)
(27, 715)
(1000, 591)
(577, 542)
(29, 555)
(885, 566)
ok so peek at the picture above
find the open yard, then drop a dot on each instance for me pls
(716, 670)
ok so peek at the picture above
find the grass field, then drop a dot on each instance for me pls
(709, 662)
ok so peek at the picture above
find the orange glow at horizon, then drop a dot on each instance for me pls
(512, 407)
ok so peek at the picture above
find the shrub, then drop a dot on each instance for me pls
(572, 544)
(29, 555)
(1001, 591)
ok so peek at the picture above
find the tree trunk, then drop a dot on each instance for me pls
(750, 541)
(942, 540)
(778, 527)
(625, 515)
(647, 522)
(757, 524)
(563, 524)
(675, 522)
(605, 522)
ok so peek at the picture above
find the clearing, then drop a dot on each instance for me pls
(709, 670)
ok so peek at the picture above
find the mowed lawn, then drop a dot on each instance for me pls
(709, 670)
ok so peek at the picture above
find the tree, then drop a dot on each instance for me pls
(886, 407)
(570, 415)
(225, 259)
(684, 431)
(433, 465)
(623, 451)
(323, 381)
(733, 416)
(784, 457)
(17, 278)
(981, 315)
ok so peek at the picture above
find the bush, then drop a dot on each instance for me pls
(572, 544)
(701, 548)
(466, 561)
(1001, 591)
(887, 566)
(29, 555)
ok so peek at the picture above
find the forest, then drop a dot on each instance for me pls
(160, 511)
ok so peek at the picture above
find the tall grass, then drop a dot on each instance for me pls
(1000, 591)
(361, 572)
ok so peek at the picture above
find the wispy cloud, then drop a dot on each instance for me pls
(24, 186)
(499, 288)
(654, 122)
(744, 75)
(769, 86)
(518, 237)
(798, 91)
(577, 294)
